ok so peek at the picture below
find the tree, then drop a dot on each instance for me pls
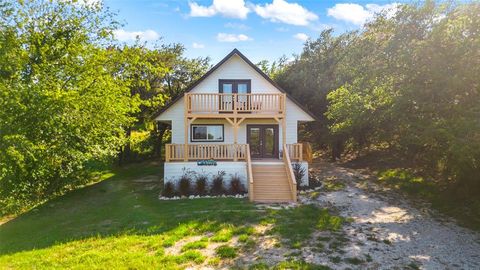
(155, 77)
(319, 69)
(417, 89)
(65, 103)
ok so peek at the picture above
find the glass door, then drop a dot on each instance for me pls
(263, 141)
(240, 87)
(226, 101)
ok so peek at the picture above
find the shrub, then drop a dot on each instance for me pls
(217, 184)
(236, 186)
(169, 190)
(184, 184)
(201, 184)
(299, 172)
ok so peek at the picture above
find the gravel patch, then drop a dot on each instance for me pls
(387, 231)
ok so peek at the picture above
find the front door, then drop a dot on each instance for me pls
(263, 141)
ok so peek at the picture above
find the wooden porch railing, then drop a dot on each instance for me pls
(233, 103)
(234, 152)
(295, 151)
(290, 175)
(300, 151)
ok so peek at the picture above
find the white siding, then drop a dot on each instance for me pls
(173, 171)
(175, 115)
(237, 69)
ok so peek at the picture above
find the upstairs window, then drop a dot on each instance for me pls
(207, 133)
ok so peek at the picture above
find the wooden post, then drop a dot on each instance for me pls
(284, 131)
(235, 139)
(185, 146)
(167, 153)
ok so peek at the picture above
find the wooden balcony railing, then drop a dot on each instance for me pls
(210, 103)
(234, 152)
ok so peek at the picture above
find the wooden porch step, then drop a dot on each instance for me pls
(270, 183)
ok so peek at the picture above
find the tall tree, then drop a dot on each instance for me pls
(64, 103)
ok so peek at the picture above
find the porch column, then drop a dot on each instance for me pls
(185, 146)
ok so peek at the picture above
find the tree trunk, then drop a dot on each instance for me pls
(158, 133)
(337, 148)
(127, 151)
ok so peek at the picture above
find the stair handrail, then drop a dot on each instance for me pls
(290, 175)
(249, 174)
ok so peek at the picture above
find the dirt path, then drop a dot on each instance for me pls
(387, 231)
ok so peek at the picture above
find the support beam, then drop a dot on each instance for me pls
(284, 131)
(235, 131)
(230, 121)
(240, 121)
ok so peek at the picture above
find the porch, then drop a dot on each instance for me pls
(271, 180)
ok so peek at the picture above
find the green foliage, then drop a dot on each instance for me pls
(408, 81)
(74, 97)
(417, 90)
(64, 106)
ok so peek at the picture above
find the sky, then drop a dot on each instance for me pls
(260, 29)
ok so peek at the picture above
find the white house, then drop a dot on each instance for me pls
(238, 117)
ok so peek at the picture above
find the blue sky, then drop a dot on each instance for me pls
(261, 29)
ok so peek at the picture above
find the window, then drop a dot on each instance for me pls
(207, 133)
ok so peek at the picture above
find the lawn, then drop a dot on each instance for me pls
(120, 223)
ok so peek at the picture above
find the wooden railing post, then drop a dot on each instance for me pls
(167, 152)
(290, 176)
(249, 173)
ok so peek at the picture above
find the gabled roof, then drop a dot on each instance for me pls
(244, 58)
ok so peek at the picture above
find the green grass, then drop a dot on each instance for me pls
(295, 225)
(120, 223)
(225, 251)
(201, 244)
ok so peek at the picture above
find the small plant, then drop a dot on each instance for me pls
(226, 252)
(299, 172)
(201, 184)
(217, 184)
(169, 190)
(236, 186)
(184, 183)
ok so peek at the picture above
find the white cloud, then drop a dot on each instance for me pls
(223, 37)
(239, 26)
(146, 35)
(358, 14)
(227, 8)
(301, 36)
(196, 45)
(289, 13)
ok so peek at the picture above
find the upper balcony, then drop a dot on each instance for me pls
(221, 105)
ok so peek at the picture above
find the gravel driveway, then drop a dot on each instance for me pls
(387, 232)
